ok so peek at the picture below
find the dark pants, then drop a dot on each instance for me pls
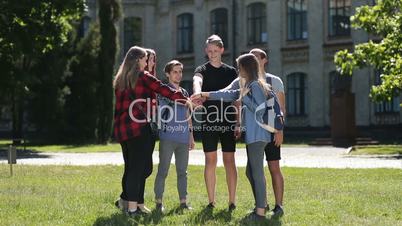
(137, 155)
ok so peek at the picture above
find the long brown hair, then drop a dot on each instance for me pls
(250, 67)
(129, 70)
(152, 70)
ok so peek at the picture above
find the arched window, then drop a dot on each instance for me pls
(185, 33)
(219, 24)
(256, 24)
(297, 19)
(132, 32)
(338, 17)
(296, 99)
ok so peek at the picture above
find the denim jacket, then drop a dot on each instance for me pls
(254, 132)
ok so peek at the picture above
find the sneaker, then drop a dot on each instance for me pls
(277, 211)
(211, 205)
(135, 213)
(255, 217)
(144, 209)
(159, 207)
(119, 204)
(185, 206)
(232, 207)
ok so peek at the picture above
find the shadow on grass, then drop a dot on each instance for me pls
(21, 154)
(122, 219)
(268, 221)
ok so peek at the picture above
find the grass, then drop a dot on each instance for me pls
(69, 195)
(377, 150)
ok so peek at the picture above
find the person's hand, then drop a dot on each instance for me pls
(197, 99)
(278, 138)
(237, 132)
(191, 143)
(189, 104)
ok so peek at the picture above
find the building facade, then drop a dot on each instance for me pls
(301, 37)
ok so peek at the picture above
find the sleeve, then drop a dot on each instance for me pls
(225, 95)
(233, 86)
(157, 86)
(277, 85)
(200, 70)
(255, 97)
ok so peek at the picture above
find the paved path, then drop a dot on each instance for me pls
(311, 157)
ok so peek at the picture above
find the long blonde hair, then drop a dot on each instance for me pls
(250, 67)
(129, 70)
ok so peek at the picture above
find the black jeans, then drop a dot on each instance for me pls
(137, 155)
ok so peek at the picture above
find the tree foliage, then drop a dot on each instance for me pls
(30, 31)
(81, 108)
(109, 14)
(383, 20)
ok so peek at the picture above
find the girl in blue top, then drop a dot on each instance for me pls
(252, 93)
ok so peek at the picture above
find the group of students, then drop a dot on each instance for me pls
(222, 91)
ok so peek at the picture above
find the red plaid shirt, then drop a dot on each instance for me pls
(143, 93)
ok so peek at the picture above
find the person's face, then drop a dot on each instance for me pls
(214, 52)
(176, 74)
(142, 62)
(151, 61)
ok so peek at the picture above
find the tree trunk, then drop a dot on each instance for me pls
(109, 13)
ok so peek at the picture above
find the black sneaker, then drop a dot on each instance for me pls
(211, 205)
(232, 207)
(159, 207)
(185, 206)
(255, 217)
(277, 211)
(135, 213)
(119, 204)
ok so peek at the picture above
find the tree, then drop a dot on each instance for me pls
(109, 14)
(28, 31)
(383, 20)
(81, 108)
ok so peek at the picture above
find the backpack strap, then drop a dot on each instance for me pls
(269, 80)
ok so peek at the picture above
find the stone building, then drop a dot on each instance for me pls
(301, 36)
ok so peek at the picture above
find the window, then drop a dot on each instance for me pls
(391, 106)
(339, 13)
(219, 24)
(297, 19)
(296, 94)
(132, 32)
(256, 24)
(185, 33)
(84, 26)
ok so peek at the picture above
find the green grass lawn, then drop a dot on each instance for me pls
(377, 150)
(69, 195)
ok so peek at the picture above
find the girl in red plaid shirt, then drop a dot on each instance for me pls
(134, 91)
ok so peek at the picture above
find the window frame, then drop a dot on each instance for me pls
(185, 32)
(333, 26)
(220, 26)
(254, 21)
(298, 105)
(126, 43)
(292, 17)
